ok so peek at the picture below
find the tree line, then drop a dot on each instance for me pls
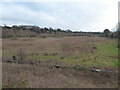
(32, 31)
(37, 29)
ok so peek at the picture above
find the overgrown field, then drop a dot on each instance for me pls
(83, 51)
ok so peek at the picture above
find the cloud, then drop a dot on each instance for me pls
(17, 13)
(86, 15)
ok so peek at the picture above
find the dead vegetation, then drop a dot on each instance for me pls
(39, 54)
(49, 46)
(38, 76)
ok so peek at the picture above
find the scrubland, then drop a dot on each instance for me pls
(74, 51)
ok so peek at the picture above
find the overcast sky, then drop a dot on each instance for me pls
(85, 15)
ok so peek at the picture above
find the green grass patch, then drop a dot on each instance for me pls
(109, 49)
(107, 53)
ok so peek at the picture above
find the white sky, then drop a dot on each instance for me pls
(76, 15)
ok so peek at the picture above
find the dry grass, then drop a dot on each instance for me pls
(61, 46)
(38, 76)
(72, 50)
(65, 51)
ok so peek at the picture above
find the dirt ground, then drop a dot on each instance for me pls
(40, 76)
